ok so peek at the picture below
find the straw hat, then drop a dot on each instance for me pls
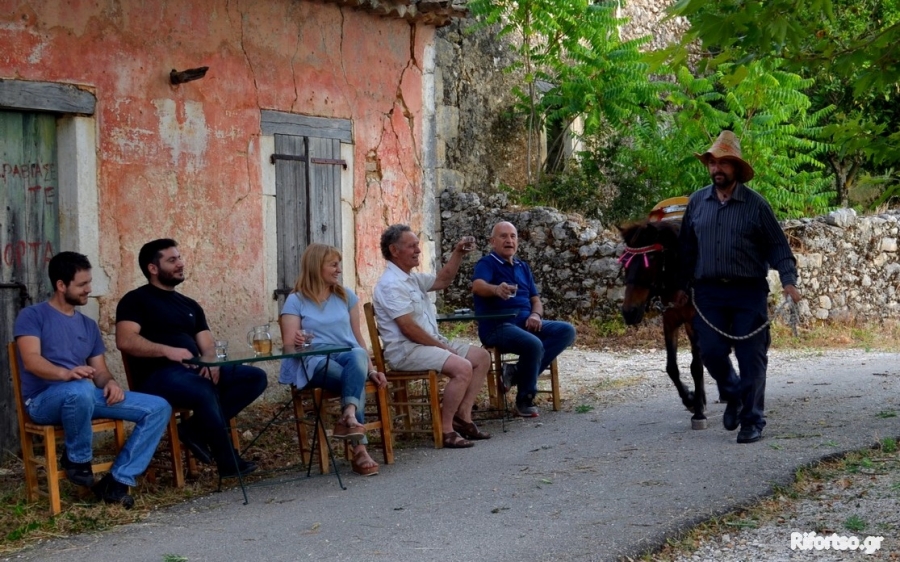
(728, 146)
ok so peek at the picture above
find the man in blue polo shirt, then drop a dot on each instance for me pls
(504, 283)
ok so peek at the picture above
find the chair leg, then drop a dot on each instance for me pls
(53, 472)
(387, 435)
(404, 410)
(554, 384)
(302, 436)
(31, 479)
(175, 452)
(324, 461)
(435, 400)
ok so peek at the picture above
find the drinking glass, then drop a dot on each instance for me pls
(307, 337)
(221, 349)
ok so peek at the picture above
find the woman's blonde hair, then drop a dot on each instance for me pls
(310, 283)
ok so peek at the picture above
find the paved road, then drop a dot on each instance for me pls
(580, 487)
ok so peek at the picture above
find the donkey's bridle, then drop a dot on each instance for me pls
(630, 253)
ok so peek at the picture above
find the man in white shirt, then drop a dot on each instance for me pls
(408, 326)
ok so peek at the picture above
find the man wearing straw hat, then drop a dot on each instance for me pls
(729, 239)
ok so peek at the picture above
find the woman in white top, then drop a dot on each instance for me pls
(321, 305)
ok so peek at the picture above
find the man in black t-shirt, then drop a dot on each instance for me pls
(156, 329)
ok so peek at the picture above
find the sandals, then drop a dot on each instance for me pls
(344, 431)
(453, 440)
(361, 457)
(469, 430)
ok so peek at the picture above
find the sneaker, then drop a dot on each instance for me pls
(111, 491)
(243, 468)
(508, 377)
(526, 408)
(80, 473)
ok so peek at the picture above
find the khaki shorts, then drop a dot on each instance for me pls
(428, 357)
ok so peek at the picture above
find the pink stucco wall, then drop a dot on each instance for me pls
(183, 161)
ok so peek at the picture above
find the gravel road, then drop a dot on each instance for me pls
(606, 484)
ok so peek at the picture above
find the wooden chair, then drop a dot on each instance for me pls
(304, 401)
(401, 399)
(29, 431)
(174, 446)
(498, 400)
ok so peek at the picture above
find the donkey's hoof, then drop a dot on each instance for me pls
(699, 424)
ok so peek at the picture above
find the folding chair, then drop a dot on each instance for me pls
(401, 399)
(29, 432)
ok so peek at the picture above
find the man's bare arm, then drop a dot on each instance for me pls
(447, 273)
(130, 341)
(36, 364)
(415, 333)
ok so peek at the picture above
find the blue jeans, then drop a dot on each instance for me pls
(74, 404)
(536, 350)
(737, 311)
(212, 404)
(346, 375)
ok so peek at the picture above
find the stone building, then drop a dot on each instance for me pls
(244, 130)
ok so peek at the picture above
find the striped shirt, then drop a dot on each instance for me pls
(739, 239)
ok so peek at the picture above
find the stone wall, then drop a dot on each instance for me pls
(849, 266)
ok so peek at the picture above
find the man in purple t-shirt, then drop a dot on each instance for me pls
(65, 382)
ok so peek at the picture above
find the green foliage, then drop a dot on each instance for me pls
(889, 445)
(849, 47)
(583, 408)
(767, 110)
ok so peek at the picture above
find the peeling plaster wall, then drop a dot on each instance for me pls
(185, 161)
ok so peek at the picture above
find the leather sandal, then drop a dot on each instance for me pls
(453, 440)
(469, 430)
(356, 464)
(344, 431)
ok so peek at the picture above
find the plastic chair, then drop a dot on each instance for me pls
(29, 432)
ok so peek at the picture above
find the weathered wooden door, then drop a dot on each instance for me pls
(308, 199)
(29, 232)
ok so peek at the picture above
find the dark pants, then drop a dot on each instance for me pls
(212, 404)
(736, 310)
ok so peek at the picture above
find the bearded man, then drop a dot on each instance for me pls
(729, 239)
(158, 328)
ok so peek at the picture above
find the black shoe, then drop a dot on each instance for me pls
(749, 435)
(199, 450)
(111, 491)
(243, 467)
(732, 415)
(80, 473)
(507, 377)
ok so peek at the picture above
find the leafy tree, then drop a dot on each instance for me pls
(768, 111)
(850, 48)
(574, 64)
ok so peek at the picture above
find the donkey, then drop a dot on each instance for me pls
(651, 263)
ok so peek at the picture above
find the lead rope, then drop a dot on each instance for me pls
(788, 304)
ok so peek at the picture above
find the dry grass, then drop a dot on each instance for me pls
(851, 471)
